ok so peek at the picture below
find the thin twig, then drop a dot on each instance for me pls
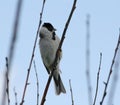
(37, 82)
(12, 44)
(29, 68)
(57, 53)
(88, 60)
(7, 81)
(98, 78)
(15, 93)
(115, 77)
(71, 92)
(110, 72)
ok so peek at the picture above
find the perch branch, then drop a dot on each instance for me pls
(29, 68)
(98, 78)
(59, 48)
(110, 72)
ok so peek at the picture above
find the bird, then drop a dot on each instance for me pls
(48, 44)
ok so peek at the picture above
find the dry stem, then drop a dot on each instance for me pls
(15, 93)
(37, 80)
(12, 45)
(115, 77)
(98, 78)
(7, 81)
(71, 92)
(110, 72)
(88, 60)
(29, 68)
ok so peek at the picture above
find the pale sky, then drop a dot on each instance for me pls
(104, 31)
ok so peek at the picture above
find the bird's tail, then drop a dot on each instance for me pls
(59, 87)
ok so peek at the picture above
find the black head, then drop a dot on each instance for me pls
(49, 26)
(51, 29)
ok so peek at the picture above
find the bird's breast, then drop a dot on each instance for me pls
(48, 51)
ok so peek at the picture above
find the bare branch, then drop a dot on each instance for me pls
(115, 77)
(7, 81)
(15, 93)
(37, 82)
(12, 45)
(110, 72)
(98, 78)
(15, 32)
(88, 60)
(71, 92)
(57, 53)
(29, 68)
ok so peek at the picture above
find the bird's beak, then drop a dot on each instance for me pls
(55, 29)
